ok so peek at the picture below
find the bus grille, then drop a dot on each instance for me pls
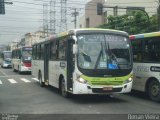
(100, 90)
(106, 82)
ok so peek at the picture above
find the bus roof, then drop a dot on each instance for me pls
(74, 31)
(145, 35)
(97, 29)
(81, 30)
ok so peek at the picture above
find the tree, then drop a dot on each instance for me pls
(134, 22)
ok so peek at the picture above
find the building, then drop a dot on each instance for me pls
(21, 42)
(90, 18)
(38, 36)
(14, 44)
(31, 38)
(150, 6)
(28, 39)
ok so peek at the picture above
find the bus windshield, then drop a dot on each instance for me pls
(7, 55)
(27, 55)
(103, 51)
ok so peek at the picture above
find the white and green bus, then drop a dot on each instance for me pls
(146, 67)
(85, 61)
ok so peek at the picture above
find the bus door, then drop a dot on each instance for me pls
(70, 64)
(46, 62)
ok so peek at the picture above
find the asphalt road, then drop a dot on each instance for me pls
(21, 94)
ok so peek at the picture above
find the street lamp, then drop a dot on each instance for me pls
(8, 3)
(143, 10)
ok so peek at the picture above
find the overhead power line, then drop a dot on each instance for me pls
(63, 22)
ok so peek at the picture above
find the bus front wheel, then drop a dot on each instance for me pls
(63, 89)
(154, 90)
(14, 70)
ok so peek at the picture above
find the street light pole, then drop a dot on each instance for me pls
(75, 14)
(8, 3)
(143, 10)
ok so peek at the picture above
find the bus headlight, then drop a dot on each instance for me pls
(81, 80)
(129, 80)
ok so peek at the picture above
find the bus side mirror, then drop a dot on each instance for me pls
(74, 49)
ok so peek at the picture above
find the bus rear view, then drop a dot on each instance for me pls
(26, 58)
(22, 59)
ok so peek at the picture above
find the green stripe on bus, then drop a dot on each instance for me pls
(106, 80)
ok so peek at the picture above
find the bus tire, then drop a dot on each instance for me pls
(154, 90)
(41, 83)
(19, 71)
(14, 70)
(63, 89)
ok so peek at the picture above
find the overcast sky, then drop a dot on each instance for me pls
(27, 16)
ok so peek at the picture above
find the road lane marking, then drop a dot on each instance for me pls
(4, 76)
(12, 81)
(11, 76)
(25, 80)
(0, 82)
(3, 73)
(35, 79)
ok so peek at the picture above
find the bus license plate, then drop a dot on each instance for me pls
(108, 88)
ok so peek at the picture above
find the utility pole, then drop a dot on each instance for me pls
(63, 22)
(2, 6)
(75, 14)
(45, 20)
(52, 17)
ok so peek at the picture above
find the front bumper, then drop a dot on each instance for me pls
(25, 69)
(80, 88)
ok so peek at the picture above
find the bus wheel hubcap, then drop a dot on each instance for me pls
(63, 87)
(155, 90)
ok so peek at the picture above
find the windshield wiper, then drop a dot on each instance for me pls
(99, 56)
(111, 57)
(86, 56)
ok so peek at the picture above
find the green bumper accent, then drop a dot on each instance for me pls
(106, 80)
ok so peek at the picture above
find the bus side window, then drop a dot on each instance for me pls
(53, 50)
(153, 51)
(33, 52)
(137, 50)
(38, 52)
(42, 51)
(19, 54)
(62, 50)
